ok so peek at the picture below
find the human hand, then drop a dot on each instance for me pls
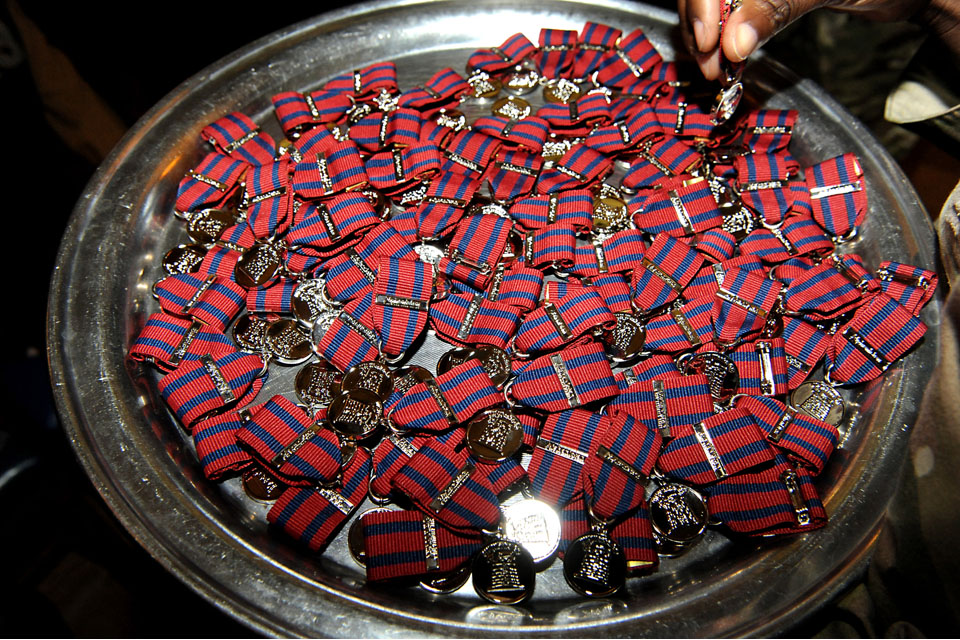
(756, 21)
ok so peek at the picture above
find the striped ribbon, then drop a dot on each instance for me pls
(298, 112)
(530, 133)
(514, 173)
(568, 439)
(665, 403)
(620, 253)
(336, 168)
(911, 286)
(212, 300)
(167, 341)
(221, 259)
(716, 244)
(450, 399)
(656, 365)
(769, 130)
(268, 199)
(239, 137)
(838, 194)
(442, 90)
(391, 454)
(512, 52)
(578, 117)
(364, 84)
(463, 318)
(809, 440)
(632, 58)
(557, 52)
(798, 235)
(476, 249)
(595, 43)
(573, 208)
(763, 183)
(761, 366)
(615, 475)
(709, 278)
(383, 130)
(397, 168)
(682, 328)
(561, 321)
(445, 202)
(638, 124)
(576, 376)
(401, 302)
(332, 222)
(831, 289)
(579, 167)
(655, 159)
(216, 442)
(551, 246)
(667, 267)
(742, 305)
(277, 298)
(681, 118)
(804, 346)
(353, 272)
(211, 183)
(351, 338)
(688, 209)
(515, 285)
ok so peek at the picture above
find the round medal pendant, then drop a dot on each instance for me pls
(594, 565)
(668, 549)
(561, 91)
(407, 377)
(503, 573)
(554, 150)
(496, 362)
(447, 583)
(727, 101)
(250, 333)
(484, 86)
(355, 536)
(288, 343)
(206, 226)
(511, 108)
(260, 485)
(454, 358)
(610, 214)
(534, 525)
(720, 370)
(355, 414)
(429, 253)
(819, 400)
(308, 300)
(626, 340)
(258, 265)
(739, 221)
(494, 435)
(369, 376)
(315, 384)
(452, 119)
(678, 513)
(185, 258)
(522, 81)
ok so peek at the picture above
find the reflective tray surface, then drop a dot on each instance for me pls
(216, 540)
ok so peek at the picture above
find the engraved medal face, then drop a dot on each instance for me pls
(594, 565)
(511, 108)
(250, 333)
(315, 384)
(369, 376)
(494, 435)
(452, 119)
(627, 338)
(495, 362)
(678, 513)
(447, 583)
(554, 149)
(355, 414)
(429, 253)
(522, 81)
(561, 91)
(819, 400)
(610, 214)
(720, 371)
(454, 358)
(484, 86)
(206, 226)
(738, 221)
(288, 343)
(185, 258)
(503, 573)
(534, 525)
(260, 485)
(257, 266)
(308, 302)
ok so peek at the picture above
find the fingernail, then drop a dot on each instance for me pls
(699, 34)
(745, 41)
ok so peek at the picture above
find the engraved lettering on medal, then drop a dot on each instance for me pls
(516, 168)
(553, 204)
(289, 450)
(327, 219)
(718, 274)
(458, 481)
(566, 384)
(789, 480)
(796, 363)
(195, 298)
(368, 334)
(654, 160)
(660, 406)
(367, 272)
(630, 377)
(635, 69)
(601, 257)
(312, 106)
(357, 81)
(185, 342)
(779, 235)
(681, 117)
(778, 429)
(403, 444)
(564, 452)
(232, 246)
(734, 299)
(430, 548)
(199, 177)
(324, 174)
(441, 400)
(507, 128)
(595, 565)
(709, 450)
(343, 505)
(681, 210)
(570, 172)
(688, 331)
(624, 133)
(496, 431)
(589, 46)
(558, 322)
(616, 461)
(453, 202)
(473, 310)
(655, 269)
(528, 248)
(260, 197)
(398, 165)
(820, 403)
(464, 162)
(919, 281)
(772, 129)
(817, 193)
(496, 282)
(766, 184)
(401, 303)
(574, 111)
(223, 388)
(504, 575)
(384, 123)
(239, 142)
(865, 349)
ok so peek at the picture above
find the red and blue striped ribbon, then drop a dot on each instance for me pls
(579, 117)
(566, 442)
(911, 286)
(239, 137)
(268, 198)
(722, 445)
(574, 522)
(513, 174)
(798, 235)
(573, 208)
(313, 516)
(222, 258)
(667, 267)
(620, 253)
(298, 112)
(878, 334)
(332, 222)
(395, 546)
(213, 300)
(196, 389)
(574, 377)
(391, 454)
(638, 124)
(443, 481)
(805, 438)
(277, 435)
(215, 440)
(476, 249)
(716, 244)
(466, 390)
(445, 202)
(805, 345)
(769, 130)
(682, 328)
(336, 168)
(469, 153)
(665, 402)
(553, 245)
(614, 288)
(354, 272)
(595, 43)
(530, 133)
(400, 167)
(754, 502)
(166, 341)
(312, 142)
(792, 269)
(277, 298)
(742, 305)
(838, 194)
(656, 159)
(763, 182)
(366, 83)
(212, 182)
(513, 51)
(656, 365)
(351, 338)
(463, 318)
(384, 130)
(558, 50)
(761, 366)
(443, 89)
(680, 117)
(632, 59)
(561, 321)
(614, 476)
(401, 302)
(635, 536)
(685, 210)
(830, 289)
(579, 167)
(710, 276)
(815, 514)
(520, 286)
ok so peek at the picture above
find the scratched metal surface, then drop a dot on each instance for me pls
(216, 540)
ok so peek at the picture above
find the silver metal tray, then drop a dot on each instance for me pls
(217, 541)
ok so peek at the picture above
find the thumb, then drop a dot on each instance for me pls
(756, 21)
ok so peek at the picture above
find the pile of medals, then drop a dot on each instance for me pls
(632, 294)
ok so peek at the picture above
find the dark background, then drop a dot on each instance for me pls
(73, 77)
